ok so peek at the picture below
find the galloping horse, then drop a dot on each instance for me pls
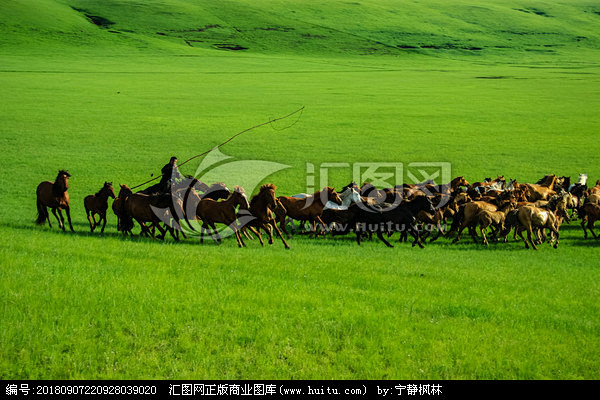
(530, 217)
(98, 204)
(589, 214)
(260, 214)
(541, 190)
(213, 212)
(124, 223)
(54, 195)
(141, 207)
(307, 209)
(594, 190)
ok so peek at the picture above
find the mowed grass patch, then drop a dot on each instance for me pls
(81, 307)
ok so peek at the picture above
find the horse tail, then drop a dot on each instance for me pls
(42, 213)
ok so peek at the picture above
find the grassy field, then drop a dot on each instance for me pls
(111, 89)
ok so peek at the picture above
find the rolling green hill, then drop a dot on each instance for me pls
(503, 28)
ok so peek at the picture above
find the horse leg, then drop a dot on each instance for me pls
(68, 212)
(380, 236)
(62, 219)
(92, 226)
(256, 231)
(212, 230)
(103, 219)
(460, 229)
(58, 219)
(279, 234)
(584, 220)
(482, 230)
(48, 216)
(529, 232)
(414, 231)
(590, 226)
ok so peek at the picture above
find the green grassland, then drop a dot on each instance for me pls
(111, 89)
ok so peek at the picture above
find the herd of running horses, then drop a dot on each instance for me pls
(494, 206)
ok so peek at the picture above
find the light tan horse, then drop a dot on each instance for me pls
(54, 195)
(531, 217)
(541, 191)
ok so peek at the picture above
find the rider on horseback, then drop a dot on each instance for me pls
(169, 174)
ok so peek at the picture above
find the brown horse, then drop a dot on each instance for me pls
(54, 195)
(448, 188)
(98, 204)
(212, 212)
(466, 217)
(142, 208)
(589, 214)
(493, 219)
(309, 208)
(124, 224)
(594, 189)
(260, 214)
(542, 190)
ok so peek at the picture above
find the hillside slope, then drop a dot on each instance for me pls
(505, 28)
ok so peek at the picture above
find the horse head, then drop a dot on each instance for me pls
(125, 191)
(268, 191)
(239, 196)
(332, 195)
(108, 187)
(63, 177)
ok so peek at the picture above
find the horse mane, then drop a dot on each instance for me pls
(262, 189)
(106, 184)
(57, 189)
(217, 185)
(268, 186)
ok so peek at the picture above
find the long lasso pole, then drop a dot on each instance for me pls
(227, 141)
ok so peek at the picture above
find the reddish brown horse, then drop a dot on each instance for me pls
(213, 212)
(260, 214)
(98, 204)
(307, 209)
(54, 195)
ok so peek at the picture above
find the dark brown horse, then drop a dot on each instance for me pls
(212, 212)
(589, 214)
(54, 195)
(124, 224)
(260, 214)
(98, 204)
(309, 208)
(143, 209)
